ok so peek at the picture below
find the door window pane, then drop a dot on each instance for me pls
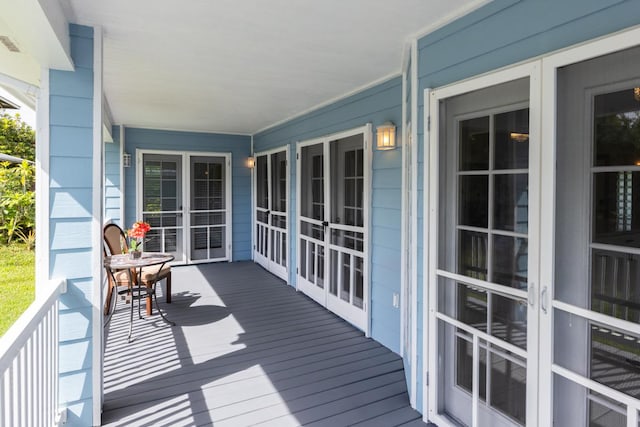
(472, 254)
(617, 129)
(474, 200)
(474, 144)
(511, 206)
(312, 182)
(617, 208)
(262, 195)
(510, 261)
(512, 140)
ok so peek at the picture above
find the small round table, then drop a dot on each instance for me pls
(134, 266)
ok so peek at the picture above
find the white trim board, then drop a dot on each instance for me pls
(43, 190)
(96, 226)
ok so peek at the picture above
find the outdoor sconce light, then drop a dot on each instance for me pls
(251, 162)
(636, 93)
(126, 160)
(386, 136)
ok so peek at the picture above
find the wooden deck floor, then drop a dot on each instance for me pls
(248, 350)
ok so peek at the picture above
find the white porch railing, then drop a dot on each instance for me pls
(29, 364)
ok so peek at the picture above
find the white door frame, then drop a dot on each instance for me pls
(366, 131)
(550, 64)
(186, 197)
(529, 70)
(254, 205)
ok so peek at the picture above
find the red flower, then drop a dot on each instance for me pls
(139, 230)
(136, 233)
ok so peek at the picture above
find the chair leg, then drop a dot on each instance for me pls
(148, 299)
(107, 303)
(168, 288)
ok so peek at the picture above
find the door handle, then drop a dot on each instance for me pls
(543, 300)
(325, 224)
(532, 294)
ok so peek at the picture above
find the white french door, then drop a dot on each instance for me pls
(332, 232)
(271, 203)
(186, 198)
(483, 330)
(593, 317)
(534, 242)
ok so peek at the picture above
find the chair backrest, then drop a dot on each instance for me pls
(115, 240)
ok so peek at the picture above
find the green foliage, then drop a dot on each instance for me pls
(17, 138)
(17, 199)
(17, 282)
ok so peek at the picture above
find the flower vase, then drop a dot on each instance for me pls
(135, 254)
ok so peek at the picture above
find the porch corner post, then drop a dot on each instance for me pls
(70, 214)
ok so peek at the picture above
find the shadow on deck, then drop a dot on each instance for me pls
(248, 350)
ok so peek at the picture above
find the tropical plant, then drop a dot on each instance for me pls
(17, 197)
(17, 138)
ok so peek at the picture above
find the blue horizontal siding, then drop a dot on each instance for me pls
(375, 105)
(238, 145)
(71, 133)
(67, 203)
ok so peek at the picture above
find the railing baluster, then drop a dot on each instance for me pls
(29, 364)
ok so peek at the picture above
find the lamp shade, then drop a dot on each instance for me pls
(386, 136)
(251, 162)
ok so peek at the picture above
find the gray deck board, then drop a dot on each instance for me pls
(247, 350)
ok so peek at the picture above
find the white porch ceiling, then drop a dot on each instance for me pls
(238, 66)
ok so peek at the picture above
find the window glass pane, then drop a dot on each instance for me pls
(510, 258)
(472, 254)
(474, 144)
(262, 196)
(615, 358)
(511, 203)
(512, 140)
(614, 284)
(474, 200)
(617, 208)
(312, 182)
(617, 129)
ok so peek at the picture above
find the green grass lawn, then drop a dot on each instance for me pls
(17, 282)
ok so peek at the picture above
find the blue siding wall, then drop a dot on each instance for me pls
(505, 32)
(71, 192)
(112, 179)
(376, 105)
(239, 147)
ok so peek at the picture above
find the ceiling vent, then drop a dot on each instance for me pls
(9, 44)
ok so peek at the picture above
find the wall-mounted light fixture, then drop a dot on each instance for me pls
(519, 137)
(636, 93)
(386, 136)
(251, 162)
(126, 160)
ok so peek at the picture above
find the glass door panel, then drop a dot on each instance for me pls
(271, 227)
(346, 227)
(311, 234)
(597, 249)
(483, 263)
(261, 254)
(162, 203)
(208, 210)
(279, 217)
